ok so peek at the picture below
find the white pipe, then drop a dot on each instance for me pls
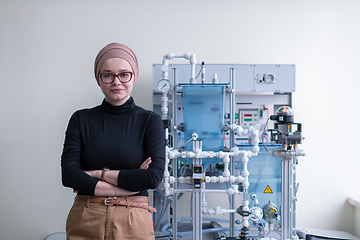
(188, 56)
(166, 178)
(173, 154)
(226, 161)
(254, 139)
(245, 222)
(215, 190)
(221, 179)
(243, 178)
(253, 136)
(167, 134)
(234, 189)
(219, 211)
(245, 172)
(184, 179)
(164, 106)
(201, 154)
(238, 129)
(165, 66)
(203, 203)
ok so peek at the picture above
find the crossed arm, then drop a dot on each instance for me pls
(107, 187)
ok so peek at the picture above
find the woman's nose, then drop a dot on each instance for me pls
(117, 80)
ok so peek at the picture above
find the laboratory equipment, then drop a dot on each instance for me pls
(231, 133)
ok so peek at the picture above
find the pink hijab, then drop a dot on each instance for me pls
(116, 50)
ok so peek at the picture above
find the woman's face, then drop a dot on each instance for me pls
(116, 93)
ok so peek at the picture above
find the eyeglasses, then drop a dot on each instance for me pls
(108, 78)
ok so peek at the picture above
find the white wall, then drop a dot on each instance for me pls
(47, 49)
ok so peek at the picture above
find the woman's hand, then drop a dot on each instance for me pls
(146, 163)
(97, 173)
(107, 189)
(120, 192)
(111, 178)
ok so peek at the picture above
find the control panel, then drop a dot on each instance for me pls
(249, 117)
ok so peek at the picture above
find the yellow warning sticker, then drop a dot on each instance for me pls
(268, 189)
(272, 210)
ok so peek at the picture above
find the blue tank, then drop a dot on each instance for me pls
(204, 115)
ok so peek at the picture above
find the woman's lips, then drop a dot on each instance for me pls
(117, 90)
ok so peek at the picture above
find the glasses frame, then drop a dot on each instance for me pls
(116, 75)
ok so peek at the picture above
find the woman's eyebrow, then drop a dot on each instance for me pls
(120, 70)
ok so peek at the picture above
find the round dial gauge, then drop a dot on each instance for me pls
(164, 85)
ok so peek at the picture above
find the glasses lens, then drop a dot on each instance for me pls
(107, 77)
(125, 77)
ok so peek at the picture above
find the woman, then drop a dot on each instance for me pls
(113, 153)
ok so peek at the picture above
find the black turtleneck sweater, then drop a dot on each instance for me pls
(114, 137)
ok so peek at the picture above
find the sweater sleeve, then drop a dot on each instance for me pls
(154, 147)
(73, 175)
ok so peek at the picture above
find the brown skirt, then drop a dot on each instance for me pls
(98, 221)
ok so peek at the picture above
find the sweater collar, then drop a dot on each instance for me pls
(126, 107)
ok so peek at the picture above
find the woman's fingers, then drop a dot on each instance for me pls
(146, 163)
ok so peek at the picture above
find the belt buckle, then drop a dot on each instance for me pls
(108, 199)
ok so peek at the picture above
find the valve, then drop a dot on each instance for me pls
(286, 132)
(242, 212)
(197, 176)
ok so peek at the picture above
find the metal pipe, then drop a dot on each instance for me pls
(294, 199)
(232, 144)
(174, 107)
(175, 227)
(197, 195)
(286, 164)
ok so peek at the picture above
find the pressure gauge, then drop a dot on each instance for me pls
(270, 211)
(164, 85)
